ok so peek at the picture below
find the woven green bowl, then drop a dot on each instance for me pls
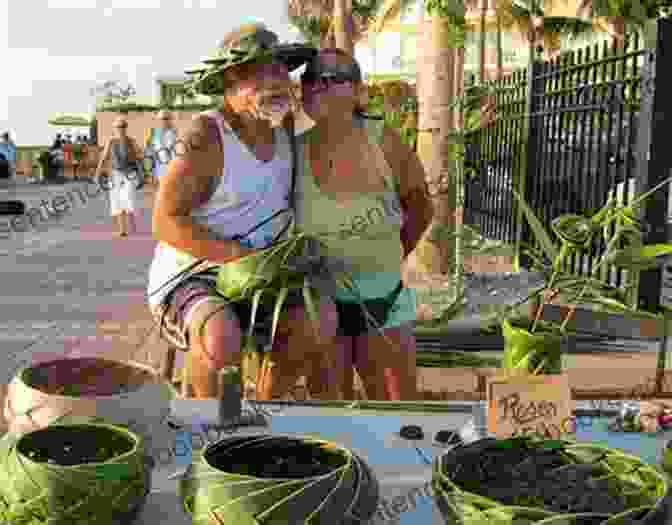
(641, 488)
(73, 475)
(274, 480)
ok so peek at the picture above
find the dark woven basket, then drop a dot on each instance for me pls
(482, 482)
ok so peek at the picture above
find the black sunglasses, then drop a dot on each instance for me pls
(338, 74)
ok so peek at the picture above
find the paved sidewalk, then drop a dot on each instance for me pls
(63, 279)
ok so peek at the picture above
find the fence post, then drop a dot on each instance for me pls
(653, 166)
(653, 158)
(529, 162)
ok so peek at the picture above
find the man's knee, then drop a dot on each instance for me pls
(215, 330)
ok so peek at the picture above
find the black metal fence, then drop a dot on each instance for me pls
(590, 130)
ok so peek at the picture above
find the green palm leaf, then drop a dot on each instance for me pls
(280, 301)
(541, 235)
(256, 299)
(311, 309)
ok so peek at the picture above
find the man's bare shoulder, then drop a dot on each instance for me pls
(199, 139)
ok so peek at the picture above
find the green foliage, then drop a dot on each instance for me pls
(453, 12)
(312, 28)
(396, 119)
(634, 13)
(314, 24)
(365, 11)
(574, 234)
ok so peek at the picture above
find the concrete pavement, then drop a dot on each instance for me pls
(68, 275)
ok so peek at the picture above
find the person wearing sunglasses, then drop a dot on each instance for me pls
(364, 185)
(231, 174)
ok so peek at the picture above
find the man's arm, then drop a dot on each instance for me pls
(186, 186)
(412, 190)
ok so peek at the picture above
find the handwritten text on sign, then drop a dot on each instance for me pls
(519, 405)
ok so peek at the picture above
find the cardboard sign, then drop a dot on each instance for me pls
(529, 404)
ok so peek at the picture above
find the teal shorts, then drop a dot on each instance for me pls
(380, 285)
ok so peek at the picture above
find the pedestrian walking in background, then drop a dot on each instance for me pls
(161, 144)
(8, 151)
(127, 171)
(67, 154)
(58, 142)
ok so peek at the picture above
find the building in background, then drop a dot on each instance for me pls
(168, 90)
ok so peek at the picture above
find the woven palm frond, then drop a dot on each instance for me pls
(278, 479)
(106, 481)
(535, 481)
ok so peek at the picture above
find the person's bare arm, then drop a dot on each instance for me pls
(412, 190)
(137, 152)
(103, 158)
(186, 186)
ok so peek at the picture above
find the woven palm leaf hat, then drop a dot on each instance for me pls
(245, 44)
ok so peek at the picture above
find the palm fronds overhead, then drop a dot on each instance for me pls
(389, 10)
(532, 19)
(314, 18)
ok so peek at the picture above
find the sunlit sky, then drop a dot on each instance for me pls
(54, 51)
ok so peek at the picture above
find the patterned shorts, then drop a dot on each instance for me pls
(175, 313)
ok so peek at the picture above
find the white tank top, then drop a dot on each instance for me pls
(249, 192)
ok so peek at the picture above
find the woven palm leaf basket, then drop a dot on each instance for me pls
(119, 392)
(277, 480)
(534, 481)
(73, 474)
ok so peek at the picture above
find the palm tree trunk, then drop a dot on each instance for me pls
(617, 33)
(532, 41)
(343, 26)
(500, 51)
(440, 81)
(482, 42)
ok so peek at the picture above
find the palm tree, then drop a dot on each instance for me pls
(318, 20)
(344, 26)
(440, 83)
(482, 6)
(440, 80)
(542, 32)
(500, 50)
(619, 17)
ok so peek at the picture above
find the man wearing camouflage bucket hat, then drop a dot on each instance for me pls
(232, 171)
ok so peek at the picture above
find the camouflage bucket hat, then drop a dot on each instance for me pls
(247, 43)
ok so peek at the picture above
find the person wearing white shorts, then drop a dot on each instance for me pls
(125, 177)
